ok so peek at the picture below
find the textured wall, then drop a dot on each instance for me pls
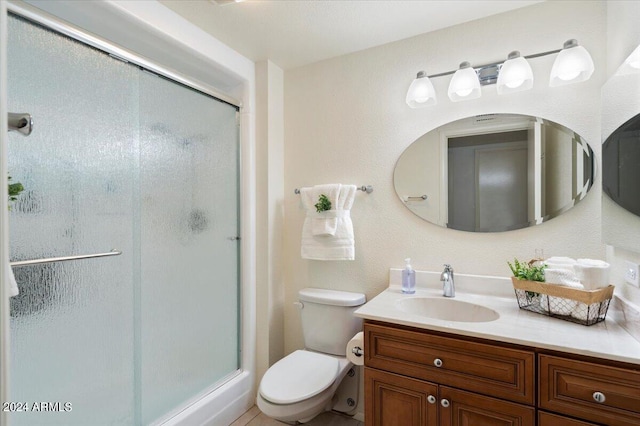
(346, 121)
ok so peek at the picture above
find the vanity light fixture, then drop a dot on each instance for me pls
(515, 74)
(573, 65)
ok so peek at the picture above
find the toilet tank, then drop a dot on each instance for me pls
(328, 322)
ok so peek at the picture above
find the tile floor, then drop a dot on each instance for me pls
(254, 417)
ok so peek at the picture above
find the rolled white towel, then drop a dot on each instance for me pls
(562, 277)
(592, 273)
(581, 312)
(565, 263)
(561, 259)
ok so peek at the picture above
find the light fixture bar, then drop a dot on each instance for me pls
(493, 64)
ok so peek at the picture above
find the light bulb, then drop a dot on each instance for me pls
(514, 84)
(464, 92)
(568, 74)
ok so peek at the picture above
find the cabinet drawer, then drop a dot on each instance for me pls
(487, 369)
(548, 419)
(572, 387)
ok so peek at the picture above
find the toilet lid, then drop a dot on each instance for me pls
(298, 376)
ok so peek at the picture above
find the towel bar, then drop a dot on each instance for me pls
(63, 259)
(420, 198)
(366, 188)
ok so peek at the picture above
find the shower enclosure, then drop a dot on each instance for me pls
(124, 159)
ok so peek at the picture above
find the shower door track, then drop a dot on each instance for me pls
(47, 20)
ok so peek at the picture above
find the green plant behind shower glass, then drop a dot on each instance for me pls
(14, 190)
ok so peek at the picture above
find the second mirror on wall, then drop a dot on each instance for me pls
(494, 172)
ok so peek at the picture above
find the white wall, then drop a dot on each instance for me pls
(346, 121)
(269, 196)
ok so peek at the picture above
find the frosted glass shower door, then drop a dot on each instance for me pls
(119, 158)
(72, 326)
(189, 250)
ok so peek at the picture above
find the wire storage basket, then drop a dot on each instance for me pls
(586, 307)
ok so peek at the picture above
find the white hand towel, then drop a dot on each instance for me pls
(11, 282)
(337, 246)
(325, 222)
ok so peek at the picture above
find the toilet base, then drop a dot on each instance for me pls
(330, 398)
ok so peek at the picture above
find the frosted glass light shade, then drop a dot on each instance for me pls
(631, 65)
(515, 75)
(573, 65)
(421, 92)
(464, 84)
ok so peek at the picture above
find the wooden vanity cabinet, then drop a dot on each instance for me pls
(420, 378)
(427, 378)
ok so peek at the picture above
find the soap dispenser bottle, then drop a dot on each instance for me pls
(408, 278)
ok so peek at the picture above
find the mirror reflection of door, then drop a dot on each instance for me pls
(489, 181)
(621, 175)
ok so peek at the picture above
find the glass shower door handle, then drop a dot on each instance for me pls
(20, 122)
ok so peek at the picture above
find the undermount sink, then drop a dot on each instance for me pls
(447, 309)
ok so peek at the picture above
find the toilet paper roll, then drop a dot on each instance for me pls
(355, 349)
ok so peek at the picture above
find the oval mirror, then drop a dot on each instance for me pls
(620, 159)
(494, 172)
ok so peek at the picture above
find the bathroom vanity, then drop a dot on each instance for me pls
(520, 369)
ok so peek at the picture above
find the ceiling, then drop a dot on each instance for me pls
(293, 33)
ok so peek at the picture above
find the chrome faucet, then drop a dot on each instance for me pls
(448, 287)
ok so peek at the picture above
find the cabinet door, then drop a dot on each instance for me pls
(393, 400)
(461, 408)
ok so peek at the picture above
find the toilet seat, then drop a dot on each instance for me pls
(298, 376)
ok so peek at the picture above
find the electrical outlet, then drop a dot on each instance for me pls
(631, 273)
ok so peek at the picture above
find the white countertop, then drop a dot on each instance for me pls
(606, 339)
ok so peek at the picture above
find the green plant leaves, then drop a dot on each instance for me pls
(14, 190)
(525, 271)
(323, 204)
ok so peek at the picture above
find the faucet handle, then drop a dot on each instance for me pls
(447, 267)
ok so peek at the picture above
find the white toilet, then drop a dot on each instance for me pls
(303, 384)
